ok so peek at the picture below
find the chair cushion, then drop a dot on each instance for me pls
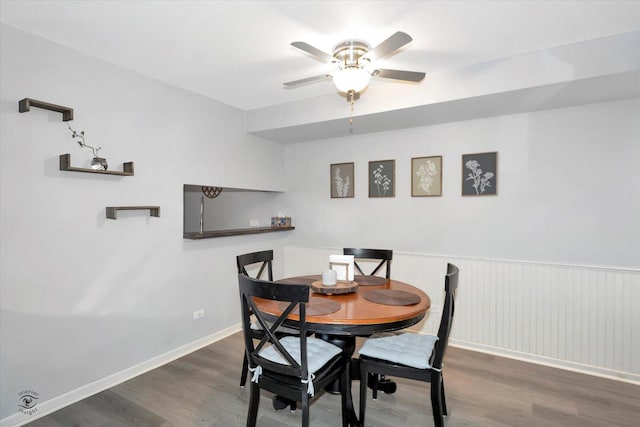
(407, 348)
(319, 352)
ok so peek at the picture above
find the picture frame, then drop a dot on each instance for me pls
(426, 176)
(341, 180)
(382, 178)
(480, 174)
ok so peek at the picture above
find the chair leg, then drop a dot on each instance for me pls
(374, 385)
(345, 383)
(363, 391)
(245, 371)
(305, 408)
(436, 400)
(254, 402)
(443, 399)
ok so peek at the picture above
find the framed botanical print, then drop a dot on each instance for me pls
(382, 178)
(342, 180)
(426, 176)
(480, 174)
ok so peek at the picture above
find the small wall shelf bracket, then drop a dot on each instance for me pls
(25, 105)
(112, 211)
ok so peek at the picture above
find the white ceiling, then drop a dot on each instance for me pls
(239, 53)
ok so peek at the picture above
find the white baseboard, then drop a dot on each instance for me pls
(547, 361)
(59, 402)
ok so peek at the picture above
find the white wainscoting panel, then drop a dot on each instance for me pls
(582, 318)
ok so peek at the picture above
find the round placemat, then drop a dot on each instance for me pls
(370, 280)
(306, 280)
(315, 307)
(391, 297)
(338, 288)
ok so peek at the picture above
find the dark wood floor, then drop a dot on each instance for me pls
(202, 389)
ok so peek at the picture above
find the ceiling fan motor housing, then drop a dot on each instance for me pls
(350, 52)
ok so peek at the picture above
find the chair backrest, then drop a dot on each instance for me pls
(384, 255)
(294, 296)
(265, 257)
(450, 286)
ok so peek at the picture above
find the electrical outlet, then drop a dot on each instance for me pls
(254, 223)
(198, 314)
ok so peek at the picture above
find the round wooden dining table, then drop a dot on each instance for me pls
(341, 317)
(356, 315)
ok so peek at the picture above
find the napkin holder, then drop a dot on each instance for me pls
(344, 267)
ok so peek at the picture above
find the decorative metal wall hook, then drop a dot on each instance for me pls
(211, 192)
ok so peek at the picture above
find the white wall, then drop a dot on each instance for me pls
(550, 268)
(566, 189)
(84, 297)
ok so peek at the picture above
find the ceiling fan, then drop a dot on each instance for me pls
(353, 61)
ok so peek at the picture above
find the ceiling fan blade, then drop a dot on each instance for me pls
(393, 43)
(410, 76)
(307, 80)
(322, 56)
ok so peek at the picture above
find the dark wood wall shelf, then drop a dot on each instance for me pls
(65, 165)
(25, 105)
(234, 232)
(112, 211)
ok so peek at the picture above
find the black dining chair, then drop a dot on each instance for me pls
(264, 261)
(383, 255)
(291, 367)
(413, 356)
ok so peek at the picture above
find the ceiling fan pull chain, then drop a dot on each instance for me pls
(351, 115)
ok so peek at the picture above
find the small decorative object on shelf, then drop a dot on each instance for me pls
(97, 163)
(281, 221)
(112, 211)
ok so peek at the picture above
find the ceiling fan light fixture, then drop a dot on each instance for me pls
(351, 79)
